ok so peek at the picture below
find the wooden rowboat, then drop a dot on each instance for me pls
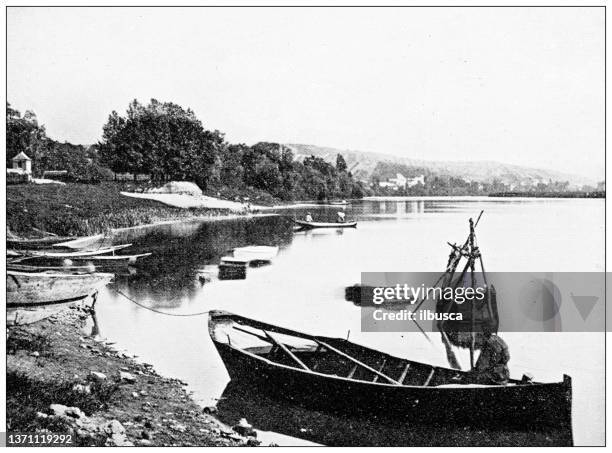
(106, 258)
(45, 288)
(311, 225)
(19, 316)
(34, 269)
(256, 252)
(35, 243)
(81, 242)
(337, 375)
(66, 254)
(33, 296)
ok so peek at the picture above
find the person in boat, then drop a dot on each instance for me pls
(308, 217)
(492, 364)
(341, 217)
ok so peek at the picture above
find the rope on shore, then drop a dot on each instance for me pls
(158, 311)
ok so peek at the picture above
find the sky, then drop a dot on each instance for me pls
(517, 85)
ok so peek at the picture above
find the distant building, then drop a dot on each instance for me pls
(21, 171)
(23, 162)
(411, 182)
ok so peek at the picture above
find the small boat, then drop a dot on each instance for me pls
(106, 258)
(33, 296)
(34, 243)
(334, 374)
(29, 268)
(256, 252)
(339, 203)
(49, 287)
(235, 261)
(81, 242)
(66, 254)
(309, 225)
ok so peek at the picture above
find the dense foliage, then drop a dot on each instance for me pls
(170, 143)
(23, 133)
(164, 141)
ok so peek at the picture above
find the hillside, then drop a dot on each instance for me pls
(362, 164)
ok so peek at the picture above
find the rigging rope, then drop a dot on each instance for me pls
(158, 311)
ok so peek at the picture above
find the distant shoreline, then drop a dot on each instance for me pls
(595, 194)
(518, 195)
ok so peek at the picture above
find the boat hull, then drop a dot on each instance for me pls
(312, 225)
(499, 406)
(36, 243)
(66, 254)
(351, 430)
(45, 288)
(256, 253)
(19, 316)
(422, 394)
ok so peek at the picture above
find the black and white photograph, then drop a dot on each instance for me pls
(297, 225)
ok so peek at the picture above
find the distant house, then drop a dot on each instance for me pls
(411, 182)
(21, 171)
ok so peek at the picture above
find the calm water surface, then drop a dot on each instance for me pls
(304, 289)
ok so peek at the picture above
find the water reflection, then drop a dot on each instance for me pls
(266, 414)
(172, 273)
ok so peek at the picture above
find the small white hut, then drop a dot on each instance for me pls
(21, 171)
(23, 162)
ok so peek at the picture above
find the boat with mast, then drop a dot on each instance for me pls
(335, 374)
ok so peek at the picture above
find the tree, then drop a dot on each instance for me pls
(162, 140)
(340, 163)
(24, 134)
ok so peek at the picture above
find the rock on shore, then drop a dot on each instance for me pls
(75, 383)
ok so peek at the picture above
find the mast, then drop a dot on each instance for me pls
(471, 252)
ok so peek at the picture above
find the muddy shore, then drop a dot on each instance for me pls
(61, 380)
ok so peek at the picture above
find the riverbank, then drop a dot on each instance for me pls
(87, 209)
(193, 202)
(62, 380)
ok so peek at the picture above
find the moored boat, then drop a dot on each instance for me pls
(30, 268)
(256, 252)
(108, 258)
(82, 242)
(338, 203)
(66, 254)
(305, 224)
(51, 287)
(34, 243)
(335, 374)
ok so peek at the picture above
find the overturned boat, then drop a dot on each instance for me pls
(334, 374)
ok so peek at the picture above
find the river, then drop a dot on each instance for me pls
(304, 289)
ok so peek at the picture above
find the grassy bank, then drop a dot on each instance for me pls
(112, 399)
(85, 209)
